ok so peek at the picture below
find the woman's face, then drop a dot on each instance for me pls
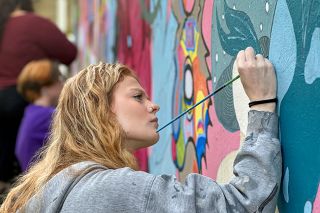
(135, 113)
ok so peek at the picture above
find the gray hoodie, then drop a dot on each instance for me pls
(90, 187)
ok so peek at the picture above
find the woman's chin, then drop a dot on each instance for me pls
(154, 139)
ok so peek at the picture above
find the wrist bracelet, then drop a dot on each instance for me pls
(273, 100)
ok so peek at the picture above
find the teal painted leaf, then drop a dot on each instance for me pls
(242, 34)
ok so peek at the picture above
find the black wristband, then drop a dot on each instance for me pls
(273, 100)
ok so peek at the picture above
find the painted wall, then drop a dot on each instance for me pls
(184, 49)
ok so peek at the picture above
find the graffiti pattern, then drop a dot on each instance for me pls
(191, 77)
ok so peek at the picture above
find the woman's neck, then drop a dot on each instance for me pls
(42, 101)
(18, 12)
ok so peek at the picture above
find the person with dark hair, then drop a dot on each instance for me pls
(103, 115)
(40, 83)
(24, 36)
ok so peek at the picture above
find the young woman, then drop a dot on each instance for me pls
(103, 115)
(24, 36)
(40, 83)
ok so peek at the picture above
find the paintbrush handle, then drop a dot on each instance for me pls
(200, 102)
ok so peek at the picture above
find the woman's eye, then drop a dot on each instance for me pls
(138, 97)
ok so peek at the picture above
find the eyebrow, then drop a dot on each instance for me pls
(140, 90)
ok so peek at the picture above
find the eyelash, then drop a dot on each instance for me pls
(138, 97)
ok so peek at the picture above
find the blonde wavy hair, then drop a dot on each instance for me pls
(84, 128)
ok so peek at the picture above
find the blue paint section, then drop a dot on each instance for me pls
(312, 67)
(160, 161)
(110, 20)
(201, 148)
(283, 56)
(285, 185)
(307, 207)
(299, 113)
(177, 107)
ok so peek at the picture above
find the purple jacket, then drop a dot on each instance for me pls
(34, 129)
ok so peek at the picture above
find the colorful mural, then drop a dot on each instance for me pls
(184, 49)
(189, 134)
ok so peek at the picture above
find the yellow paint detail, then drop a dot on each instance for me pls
(180, 148)
(190, 53)
(198, 114)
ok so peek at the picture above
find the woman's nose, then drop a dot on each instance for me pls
(153, 107)
(156, 107)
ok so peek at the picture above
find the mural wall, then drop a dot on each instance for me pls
(183, 49)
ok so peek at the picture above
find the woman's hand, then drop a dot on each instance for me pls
(257, 77)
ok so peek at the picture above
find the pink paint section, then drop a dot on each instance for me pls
(181, 59)
(316, 204)
(168, 10)
(174, 149)
(188, 5)
(134, 41)
(206, 27)
(220, 143)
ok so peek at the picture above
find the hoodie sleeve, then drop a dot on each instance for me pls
(257, 173)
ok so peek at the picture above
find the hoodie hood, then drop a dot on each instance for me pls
(55, 191)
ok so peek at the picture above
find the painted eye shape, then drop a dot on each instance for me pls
(188, 81)
(188, 86)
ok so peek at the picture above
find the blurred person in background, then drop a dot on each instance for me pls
(24, 36)
(40, 83)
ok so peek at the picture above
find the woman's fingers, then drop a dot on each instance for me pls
(257, 76)
(250, 54)
(241, 58)
(260, 58)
